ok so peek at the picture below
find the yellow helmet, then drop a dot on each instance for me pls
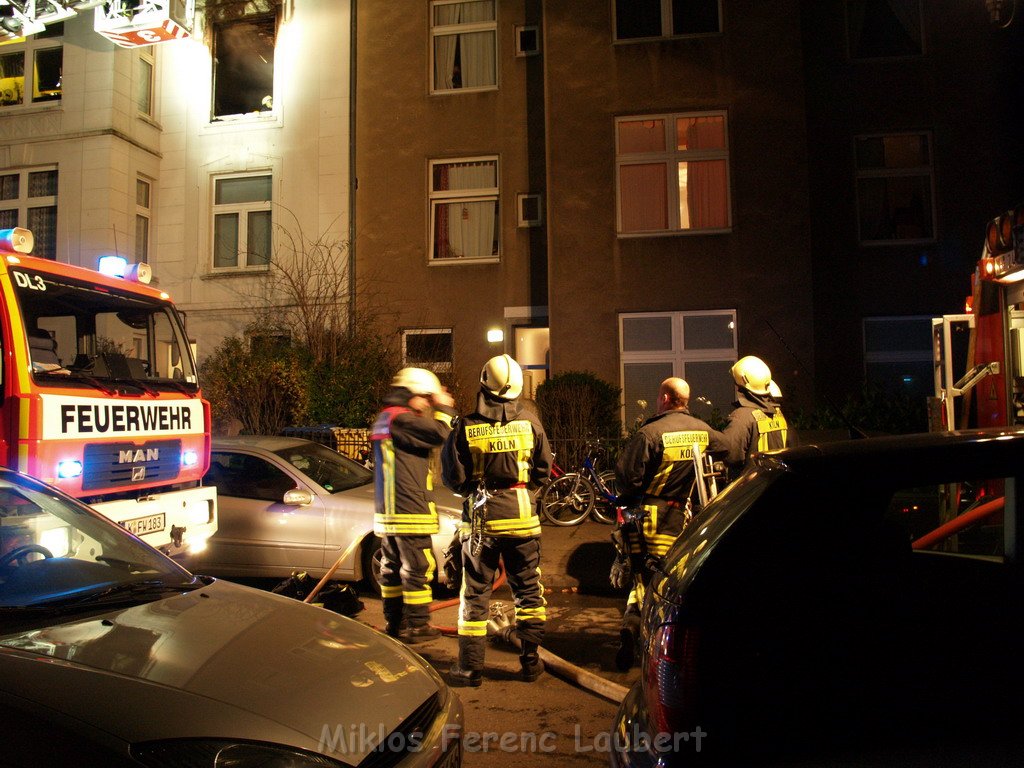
(419, 381)
(502, 377)
(752, 374)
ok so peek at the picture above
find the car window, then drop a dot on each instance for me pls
(247, 477)
(964, 517)
(328, 469)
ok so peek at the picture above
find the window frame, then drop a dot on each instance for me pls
(29, 46)
(436, 198)
(679, 356)
(144, 213)
(146, 58)
(893, 173)
(241, 210)
(437, 31)
(904, 355)
(667, 20)
(260, 114)
(24, 203)
(435, 366)
(670, 157)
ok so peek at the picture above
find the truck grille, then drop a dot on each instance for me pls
(113, 465)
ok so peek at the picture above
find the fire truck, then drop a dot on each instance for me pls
(986, 342)
(101, 397)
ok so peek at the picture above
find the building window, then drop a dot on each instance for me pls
(464, 47)
(143, 209)
(697, 346)
(898, 354)
(879, 29)
(673, 173)
(43, 56)
(894, 189)
(241, 221)
(243, 67)
(644, 19)
(145, 66)
(464, 209)
(429, 348)
(29, 199)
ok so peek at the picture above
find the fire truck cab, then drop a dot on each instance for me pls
(979, 355)
(100, 394)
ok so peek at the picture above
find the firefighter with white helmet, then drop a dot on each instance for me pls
(417, 418)
(756, 422)
(502, 450)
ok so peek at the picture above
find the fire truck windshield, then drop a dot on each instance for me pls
(81, 334)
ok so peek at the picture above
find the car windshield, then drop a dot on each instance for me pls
(57, 555)
(327, 468)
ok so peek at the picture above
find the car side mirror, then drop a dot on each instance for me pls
(297, 497)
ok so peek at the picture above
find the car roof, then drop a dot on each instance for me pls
(914, 455)
(264, 442)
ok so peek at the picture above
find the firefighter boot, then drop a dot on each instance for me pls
(625, 657)
(529, 660)
(468, 678)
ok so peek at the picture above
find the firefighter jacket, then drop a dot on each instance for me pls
(402, 441)
(755, 424)
(655, 471)
(503, 447)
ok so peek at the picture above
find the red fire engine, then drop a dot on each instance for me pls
(101, 397)
(988, 340)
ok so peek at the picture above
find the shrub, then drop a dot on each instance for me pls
(576, 407)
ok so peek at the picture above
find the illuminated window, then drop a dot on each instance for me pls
(894, 189)
(429, 348)
(699, 347)
(28, 198)
(645, 19)
(672, 173)
(243, 67)
(242, 221)
(143, 211)
(464, 45)
(464, 209)
(43, 56)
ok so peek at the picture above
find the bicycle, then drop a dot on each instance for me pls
(571, 496)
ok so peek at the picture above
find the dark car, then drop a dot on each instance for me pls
(852, 603)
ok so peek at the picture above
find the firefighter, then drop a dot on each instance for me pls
(756, 422)
(417, 417)
(656, 478)
(502, 450)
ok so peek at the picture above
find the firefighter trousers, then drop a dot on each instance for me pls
(522, 569)
(407, 567)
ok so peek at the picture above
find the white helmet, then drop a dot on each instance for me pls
(502, 377)
(419, 381)
(752, 374)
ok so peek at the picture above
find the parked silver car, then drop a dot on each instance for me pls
(286, 504)
(112, 654)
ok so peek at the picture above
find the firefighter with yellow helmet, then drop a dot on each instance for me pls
(756, 422)
(417, 418)
(497, 457)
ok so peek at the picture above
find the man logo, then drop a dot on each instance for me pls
(138, 473)
(138, 454)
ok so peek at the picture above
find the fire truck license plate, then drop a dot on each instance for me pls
(143, 525)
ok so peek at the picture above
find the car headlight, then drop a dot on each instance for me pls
(225, 753)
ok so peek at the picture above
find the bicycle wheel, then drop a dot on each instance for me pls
(567, 500)
(604, 507)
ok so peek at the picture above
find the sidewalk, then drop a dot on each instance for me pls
(578, 556)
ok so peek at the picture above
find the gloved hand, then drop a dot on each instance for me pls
(453, 563)
(621, 575)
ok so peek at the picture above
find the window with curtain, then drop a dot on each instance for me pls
(28, 198)
(41, 55)
(699, 347)
(672, 173)
(894, 189)
(242, 221)
(464, 38)
(883, 28)
(647, 19)
(464, 209)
